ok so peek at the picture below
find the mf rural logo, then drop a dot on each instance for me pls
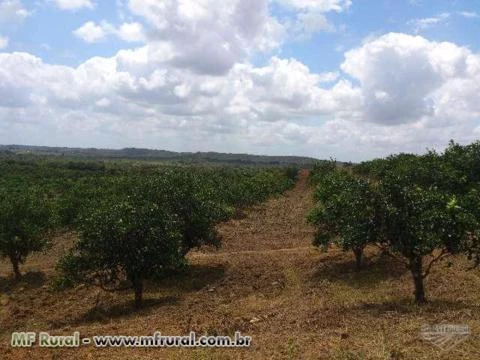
(445, 336)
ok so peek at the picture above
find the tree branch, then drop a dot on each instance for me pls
(442, 254)
(393, 256)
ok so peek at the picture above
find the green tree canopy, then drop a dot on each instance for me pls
(346, 213)
(125, 240)
(26, 216)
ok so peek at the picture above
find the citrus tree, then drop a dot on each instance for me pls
(184, 194)
(320, 169)
(471, 203)
(26, 217)
(135, 226)
(423, 225)
(422, 208)
(346, 213)
(123, 242)
(423, 217)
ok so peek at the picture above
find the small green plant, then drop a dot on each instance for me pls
(291, 350)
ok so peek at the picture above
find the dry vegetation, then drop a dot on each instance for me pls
(267, 282)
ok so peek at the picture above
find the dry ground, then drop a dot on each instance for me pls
(267, 282)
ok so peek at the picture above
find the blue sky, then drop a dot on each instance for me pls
(352, 79)
(324, 51)
(48, 32)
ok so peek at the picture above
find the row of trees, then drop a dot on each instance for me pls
(422, 208)
(132, 226)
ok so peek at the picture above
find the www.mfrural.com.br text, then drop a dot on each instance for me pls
(157, 340)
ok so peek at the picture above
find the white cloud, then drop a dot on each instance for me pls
(3, 42)
(91, 32)
(469, 14)
(287, 88)
(318, 5)
(309, 15)
(406, 79)
(210, 36)
(73, 5)
(425, 23)
(131, 32)
(191, 84)
(411, 94)
(104, 94)
(309, 23)
(12, 11)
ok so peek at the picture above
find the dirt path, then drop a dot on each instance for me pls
(277, 224)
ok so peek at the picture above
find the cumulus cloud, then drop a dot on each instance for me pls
(12, 12)
(91, 32)
(411, 93)
(318, 5)
(3, 42)
(405, 79)
(141, 84)
(210, 36)
(309, 15)
(73, 5)
(416, 94)
(131, 32)
(309, 23)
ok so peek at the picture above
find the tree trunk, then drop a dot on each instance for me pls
(16, 270)
(138, 289)
(358, 251)
(184, 250)
(187, 243)
(417, 274)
